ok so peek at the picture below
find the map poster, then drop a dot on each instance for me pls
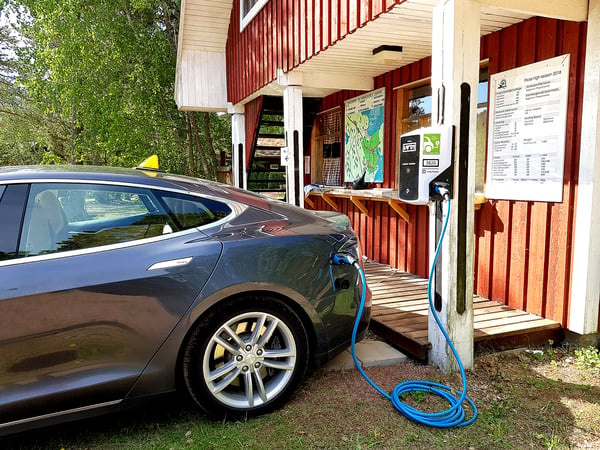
(527, 127)
(363, 125)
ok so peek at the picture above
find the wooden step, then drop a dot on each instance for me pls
(401, 308)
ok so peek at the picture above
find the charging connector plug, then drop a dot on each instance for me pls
(343, 258)
(442, 190)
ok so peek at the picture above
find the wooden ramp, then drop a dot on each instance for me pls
(400, 311)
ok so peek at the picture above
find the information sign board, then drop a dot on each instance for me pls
(526, 134)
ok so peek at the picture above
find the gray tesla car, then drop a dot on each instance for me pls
(119, 284)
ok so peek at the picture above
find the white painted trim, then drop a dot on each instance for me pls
(235, 109)
(238, 136)
(292, 78)
(325, 80)
(338, 80)
(246, 19)
(585, 283)
(576, 10)
(292, 119)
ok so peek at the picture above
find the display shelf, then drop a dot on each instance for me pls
(358, 198)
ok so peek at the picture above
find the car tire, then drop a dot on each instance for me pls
(234, 369)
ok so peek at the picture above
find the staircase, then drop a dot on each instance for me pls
(266, 174)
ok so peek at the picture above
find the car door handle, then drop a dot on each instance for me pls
(179, 262)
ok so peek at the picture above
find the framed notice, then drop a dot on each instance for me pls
(363, 125)
(526, 134)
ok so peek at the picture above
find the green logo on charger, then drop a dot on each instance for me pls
(431, 144)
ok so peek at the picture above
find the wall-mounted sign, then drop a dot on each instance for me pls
(526, 137)
(363, 123)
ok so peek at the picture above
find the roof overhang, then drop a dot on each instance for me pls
(200, 80)
(351, 63)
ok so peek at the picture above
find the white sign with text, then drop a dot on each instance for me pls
(527, 126)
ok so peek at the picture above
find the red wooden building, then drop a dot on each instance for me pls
(302, 64)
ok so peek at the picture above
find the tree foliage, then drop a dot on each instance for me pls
(26, 131)
(103, 71)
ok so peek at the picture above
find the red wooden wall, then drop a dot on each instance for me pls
(252, 111)
(285, 33)
(523, 250)
(384, 235)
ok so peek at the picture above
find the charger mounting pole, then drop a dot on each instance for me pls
(455, 76)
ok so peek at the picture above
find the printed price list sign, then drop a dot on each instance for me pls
(526, 139)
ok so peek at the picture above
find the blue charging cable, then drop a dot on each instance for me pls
(455, 415)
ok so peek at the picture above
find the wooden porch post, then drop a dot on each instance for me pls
(238, 143)
(585, 291)
(455, 60)
(294, 154)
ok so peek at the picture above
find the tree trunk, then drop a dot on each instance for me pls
(175, 120)
(191, 147)
(210, 148)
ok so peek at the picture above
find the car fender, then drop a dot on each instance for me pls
(155, 379)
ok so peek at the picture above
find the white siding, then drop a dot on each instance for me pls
(201, 83)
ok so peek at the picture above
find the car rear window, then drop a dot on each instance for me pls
(190, 211)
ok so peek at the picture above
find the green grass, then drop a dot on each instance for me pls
(524, 403)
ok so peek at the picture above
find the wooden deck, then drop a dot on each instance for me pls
(400, 310)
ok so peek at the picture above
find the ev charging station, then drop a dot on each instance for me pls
(437, 169)
(454, 80)
(425, 168)
(440, 173)
(426, 177)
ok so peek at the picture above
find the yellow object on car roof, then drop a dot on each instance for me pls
(149, 163)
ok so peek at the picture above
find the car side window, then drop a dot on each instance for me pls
(61, 217)
(191, 212)
(12, 203)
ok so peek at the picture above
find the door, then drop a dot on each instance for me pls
(91, 286)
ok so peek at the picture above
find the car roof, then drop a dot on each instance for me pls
(141, 177)
(99, 173)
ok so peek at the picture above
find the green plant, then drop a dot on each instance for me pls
(412, 438)
(499, 410)
(588, 358)
(551, 442)
(416, 396)
(496, 418)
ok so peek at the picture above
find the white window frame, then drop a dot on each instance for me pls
(245, 19)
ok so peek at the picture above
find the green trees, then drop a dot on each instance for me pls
(25, 131)
(102, 74)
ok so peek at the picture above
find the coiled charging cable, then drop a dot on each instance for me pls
(455, 415)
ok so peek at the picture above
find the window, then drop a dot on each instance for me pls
(417, 111)
(12, 202)
(482, 116)
(61, 217)
(191, 212)
(328, 148)
(248, 10)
